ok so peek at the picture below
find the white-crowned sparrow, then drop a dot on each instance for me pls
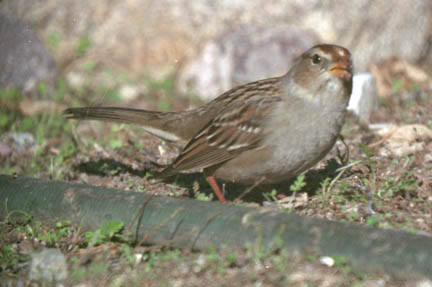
(269, 130)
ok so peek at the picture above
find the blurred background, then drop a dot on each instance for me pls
(203, 47)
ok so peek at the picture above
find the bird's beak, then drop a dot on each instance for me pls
(342, 68)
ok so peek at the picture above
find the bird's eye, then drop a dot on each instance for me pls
(316, 59)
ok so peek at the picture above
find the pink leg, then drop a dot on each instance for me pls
(212, 181)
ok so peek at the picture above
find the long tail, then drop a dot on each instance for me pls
(161, 124)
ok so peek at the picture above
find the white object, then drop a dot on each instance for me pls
(363, 97)
(49, 265)
(327, 260)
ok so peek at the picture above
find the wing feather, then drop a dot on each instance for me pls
(237, 129)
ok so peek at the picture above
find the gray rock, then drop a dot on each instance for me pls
(243, 55)
(24, 60)
(49, 265)
(19, 142)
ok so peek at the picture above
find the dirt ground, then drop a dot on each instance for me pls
(124, 157)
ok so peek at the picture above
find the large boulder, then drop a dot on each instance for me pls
(24, 60)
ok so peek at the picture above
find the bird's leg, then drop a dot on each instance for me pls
(343, 158)
(212, 181)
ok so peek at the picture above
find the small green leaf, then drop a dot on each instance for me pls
(42, 88)
(54, 40)
(115, 143)
(298, 183)
(366, 150)
(372, 220)
(83, 45)
(396, 85)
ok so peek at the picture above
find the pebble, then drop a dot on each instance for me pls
(19, 142)
(327, 260)
(128, 92)
(48, 265)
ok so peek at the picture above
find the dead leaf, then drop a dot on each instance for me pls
(404, 140)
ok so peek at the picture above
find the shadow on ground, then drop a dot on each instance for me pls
(313, 179)
(108, 167)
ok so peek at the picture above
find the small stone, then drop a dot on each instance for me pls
(201, 260)
(428, 157)
(23, 139)
(128, 92)
(19, 142)
(424, 283)
(48, 265)
(75, 80)
(373, 283)
(327, 260)
(138, 257)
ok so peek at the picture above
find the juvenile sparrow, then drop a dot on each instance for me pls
(269, 130)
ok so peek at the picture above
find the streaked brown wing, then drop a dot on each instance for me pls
(237, 129)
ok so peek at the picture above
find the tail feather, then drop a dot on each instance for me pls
(122, 115)
(157, 123)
